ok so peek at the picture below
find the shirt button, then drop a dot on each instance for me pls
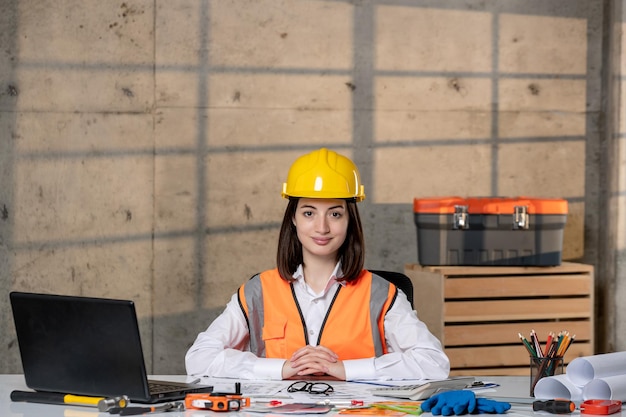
(311, 332)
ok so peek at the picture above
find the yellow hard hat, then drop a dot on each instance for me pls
(323, 174)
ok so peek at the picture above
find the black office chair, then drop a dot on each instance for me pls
(399, 280)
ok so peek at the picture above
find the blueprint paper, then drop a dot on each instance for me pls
(587, 368)
(557, 386)
(609, 388)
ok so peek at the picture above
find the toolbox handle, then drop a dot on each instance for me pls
(521, 219)
(461, 218)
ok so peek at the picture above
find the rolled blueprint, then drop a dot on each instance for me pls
(587, 368)
(557, 386)
(608, 388)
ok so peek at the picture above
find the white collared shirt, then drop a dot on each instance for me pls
(314, 306)
(414, 353)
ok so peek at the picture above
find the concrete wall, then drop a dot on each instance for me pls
(618, 188)
(143, 143)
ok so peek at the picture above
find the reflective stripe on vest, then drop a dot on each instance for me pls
(277, 329)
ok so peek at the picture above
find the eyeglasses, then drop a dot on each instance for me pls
(311, 387)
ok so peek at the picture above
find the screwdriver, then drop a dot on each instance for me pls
(131, 411)
(555, 406)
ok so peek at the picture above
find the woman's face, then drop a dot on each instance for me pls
(321, 226)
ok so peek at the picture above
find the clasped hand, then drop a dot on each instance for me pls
(462, 402)
(314, 360)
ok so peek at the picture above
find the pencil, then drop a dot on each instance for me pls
(566, 345)
(535, 339)
(379, 384)
(570, 343)
(529, 348)
(559, 339)
(548, 343)
(564, 342)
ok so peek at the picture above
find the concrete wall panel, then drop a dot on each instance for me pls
(402, 174)
(542, 44)
(287, 34)
(176, 193)
(542, 95)
(543, 124)
(244, 188)
(541, 169)
(417, 38)
(85, 57)
(76, 183)
(226, 251)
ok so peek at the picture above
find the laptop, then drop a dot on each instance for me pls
(87, 346)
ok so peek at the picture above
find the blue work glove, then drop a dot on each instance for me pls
(448, 403)
(486, 406)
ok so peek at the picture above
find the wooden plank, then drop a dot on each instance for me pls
(564, 268)
(504, 356)
(507, 333)
(526, 286)
(428, 298)
(521, 309)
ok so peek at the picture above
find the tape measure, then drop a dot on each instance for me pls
(216, 402)
(600, 407)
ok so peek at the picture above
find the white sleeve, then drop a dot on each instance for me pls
(413, 351)
(222, 350)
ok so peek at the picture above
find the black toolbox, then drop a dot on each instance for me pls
(490, 230)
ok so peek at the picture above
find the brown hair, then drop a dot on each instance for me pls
(351, 253)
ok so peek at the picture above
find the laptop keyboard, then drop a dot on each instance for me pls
(156, 387)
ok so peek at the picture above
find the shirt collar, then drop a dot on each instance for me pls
(336, 275)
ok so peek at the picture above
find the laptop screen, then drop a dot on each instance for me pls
(80, 345)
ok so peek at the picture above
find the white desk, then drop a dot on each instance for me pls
(509, 387)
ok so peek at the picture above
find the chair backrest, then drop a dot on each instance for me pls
(399, 280)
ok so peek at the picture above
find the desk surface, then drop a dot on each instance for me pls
(509, 387)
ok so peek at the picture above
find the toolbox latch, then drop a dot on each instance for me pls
(461, 219)
(520, 217)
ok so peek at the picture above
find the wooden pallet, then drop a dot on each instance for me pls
(478, 311)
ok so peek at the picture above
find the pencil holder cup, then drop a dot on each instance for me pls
(543, 367)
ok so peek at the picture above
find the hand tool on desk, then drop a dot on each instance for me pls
(216, 402)
(554, 406)
(102, 403)
(600, 407)
(107, 404)
(133, 411)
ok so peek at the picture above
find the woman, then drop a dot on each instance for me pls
(319, 312)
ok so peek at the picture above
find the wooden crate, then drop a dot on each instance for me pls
(478, 311)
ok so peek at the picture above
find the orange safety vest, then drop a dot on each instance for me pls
(353, 327)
